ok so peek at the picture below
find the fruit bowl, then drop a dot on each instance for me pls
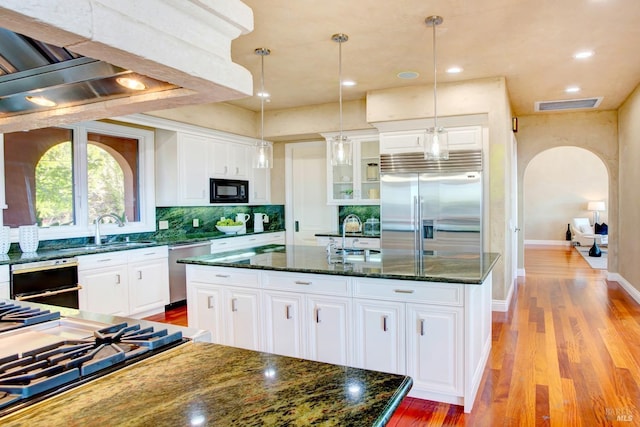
(229, 229)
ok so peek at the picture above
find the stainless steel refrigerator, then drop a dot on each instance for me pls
(431, 206)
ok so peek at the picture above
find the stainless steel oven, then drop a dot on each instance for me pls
(53, 282)
(228, 191)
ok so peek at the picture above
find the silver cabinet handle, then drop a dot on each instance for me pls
(139, 274)
(237, 170)
(287, 311)
(417, 140)
(317, 315)
(403, 291)
(422, 327)
(117, 279)
(233, 304)
(384, 323)
(210, 301)
(223, 275)
(49, 293)
(302, 282)
(104, 260)
(226, 169)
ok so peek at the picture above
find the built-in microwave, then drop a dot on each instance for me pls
(228, 191)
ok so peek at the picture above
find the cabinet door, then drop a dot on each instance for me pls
(4, 290)
(329, 320)
(205, 310)
(284, 323)
(242, 318)
(380, 336)
(104, 290)
(218, 165)
(435, 348)
(239, 159)
(148, 286)
(260, 186)
(402, 142)
(193, 170)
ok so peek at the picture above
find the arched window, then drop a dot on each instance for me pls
(54, 186)
(105, 180)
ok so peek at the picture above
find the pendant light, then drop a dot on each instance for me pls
(340, 144)
(263, 154)
(436, 145)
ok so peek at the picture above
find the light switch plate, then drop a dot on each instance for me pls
(196, 222)
(163, 225)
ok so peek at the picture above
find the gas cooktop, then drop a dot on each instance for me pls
(42, 354)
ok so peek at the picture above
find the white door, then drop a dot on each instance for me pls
(306, 206)
(380, 335)
(284, 323)
(242, 320)
(329, 319)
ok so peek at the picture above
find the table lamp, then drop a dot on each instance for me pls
(596, 207)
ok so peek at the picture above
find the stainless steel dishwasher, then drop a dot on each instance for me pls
(177, 274)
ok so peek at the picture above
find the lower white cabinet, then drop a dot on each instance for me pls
(437, 333)
(5, 292)
(131, 283)
(380, 335)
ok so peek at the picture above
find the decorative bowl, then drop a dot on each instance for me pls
(229, 229)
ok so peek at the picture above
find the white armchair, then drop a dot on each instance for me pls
(583, 234)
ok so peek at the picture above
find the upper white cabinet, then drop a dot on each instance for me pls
(411, 141)
(358, 183)
(186, 160)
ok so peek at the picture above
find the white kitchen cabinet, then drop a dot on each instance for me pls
(182, 177)
(5, 291)
(380, 335)
(350, 242)
(242, 313)
(435, 348)
(330, 323)
(205, 310)
(131, 283)
(284, 324)
(260, 186)
(228, 159)
(358, 183)
(412, 141)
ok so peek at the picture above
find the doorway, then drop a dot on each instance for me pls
(306, 209)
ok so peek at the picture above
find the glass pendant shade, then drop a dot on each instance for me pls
(263, 155)
(341, 150)
(436, 144)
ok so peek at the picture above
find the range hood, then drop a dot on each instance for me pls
(181, 51)
(31, 68)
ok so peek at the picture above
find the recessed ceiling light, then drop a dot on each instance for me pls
(583, 54)
(131, 83)
(454, 70)
(41, 101)
(408, 75)
(348, 83)
(572, 89)
(263, 94)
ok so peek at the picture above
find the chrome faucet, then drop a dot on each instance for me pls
(98, 237)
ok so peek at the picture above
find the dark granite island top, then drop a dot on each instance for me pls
(465, 268)
(213, 385)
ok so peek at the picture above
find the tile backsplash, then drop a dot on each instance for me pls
(364, 212)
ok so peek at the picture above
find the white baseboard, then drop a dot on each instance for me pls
(547, 242)
(631, 290)
(503, 305)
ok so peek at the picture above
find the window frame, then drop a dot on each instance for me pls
(84, 226)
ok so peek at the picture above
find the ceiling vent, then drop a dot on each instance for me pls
(568, 104)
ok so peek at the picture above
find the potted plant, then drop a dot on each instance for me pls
(346, 194)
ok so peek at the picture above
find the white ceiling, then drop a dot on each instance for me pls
(529, 42)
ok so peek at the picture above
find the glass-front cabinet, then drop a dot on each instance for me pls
(358, 183)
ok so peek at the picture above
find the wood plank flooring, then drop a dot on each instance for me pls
(566, 354)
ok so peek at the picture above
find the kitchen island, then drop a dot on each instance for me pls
(424, 315)
(203, 384)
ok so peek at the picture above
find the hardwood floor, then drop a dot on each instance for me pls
(566, 354)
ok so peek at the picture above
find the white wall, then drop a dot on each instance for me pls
(558, 183)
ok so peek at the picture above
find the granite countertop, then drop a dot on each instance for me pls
(215, 385)
(466, 268)
(48, 253)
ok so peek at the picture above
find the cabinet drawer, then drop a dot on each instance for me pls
(148, 253)
(106, 259)
(424, 292)
(223, 276)
(307, 283)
